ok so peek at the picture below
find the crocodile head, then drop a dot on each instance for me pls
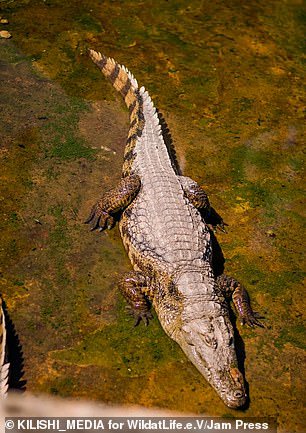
(195, 314)
(209, 344)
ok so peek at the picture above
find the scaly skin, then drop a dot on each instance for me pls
(4, 365)
(170, 247)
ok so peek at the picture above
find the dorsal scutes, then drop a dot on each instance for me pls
(148, 103)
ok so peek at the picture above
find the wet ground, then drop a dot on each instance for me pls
(227, 75)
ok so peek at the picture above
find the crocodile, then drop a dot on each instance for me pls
(161, 217)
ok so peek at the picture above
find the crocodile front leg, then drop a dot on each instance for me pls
(136, 290)
(195, 194)
(232, 288)
(199, 199)
(112, 202)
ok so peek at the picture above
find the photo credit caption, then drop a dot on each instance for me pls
(133, 424)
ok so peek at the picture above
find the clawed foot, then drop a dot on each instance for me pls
(214, 221)
(100, 219)
(219, 227)
(252, 320)
(144, 315)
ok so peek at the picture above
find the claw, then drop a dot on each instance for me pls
(258, 323)
(139, 316)
(110, 222)
(252, 321)
(257, 315)
(137, 321)
(90, 218)
(96, 224)
(100, 220)
(91, 215)
(147, 317)
(221, 227)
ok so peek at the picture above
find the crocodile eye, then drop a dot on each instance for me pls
(188, 338)
(210, 341)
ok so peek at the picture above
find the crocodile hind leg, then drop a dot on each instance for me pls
(232, 288)
(199, 199)
(112, 202)
(135, 288)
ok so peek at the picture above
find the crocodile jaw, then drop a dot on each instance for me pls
(213, 354)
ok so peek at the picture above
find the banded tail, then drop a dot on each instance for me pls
(4, 365)
(126, 84)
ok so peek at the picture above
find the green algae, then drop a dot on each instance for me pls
(244, 156)
(294, 335)
(228, 78)
(63, 143)
(88, 22)
(70, 148)
(133, 355)
(59, 236)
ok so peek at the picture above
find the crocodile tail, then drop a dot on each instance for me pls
(126, 84)
(4, 365)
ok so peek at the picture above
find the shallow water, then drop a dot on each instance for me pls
(228, 78)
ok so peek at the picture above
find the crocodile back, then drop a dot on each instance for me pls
(161, 224)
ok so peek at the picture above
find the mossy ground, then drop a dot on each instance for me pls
(228, 78)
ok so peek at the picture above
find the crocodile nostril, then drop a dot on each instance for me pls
(238, 394)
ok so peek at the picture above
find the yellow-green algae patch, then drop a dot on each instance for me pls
(134, 355)
(228, 78)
